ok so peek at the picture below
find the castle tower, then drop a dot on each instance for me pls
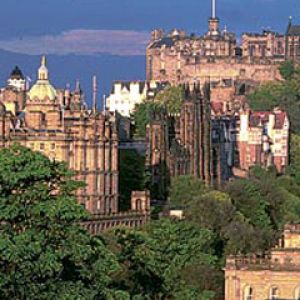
(213, 22)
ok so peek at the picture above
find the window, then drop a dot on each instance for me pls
(274, 293)
(248, 294)
(52, 146)
(138, 204)
(297, 293)
(42, 146)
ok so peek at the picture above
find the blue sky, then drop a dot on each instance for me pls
(115, 27)
(123, 26)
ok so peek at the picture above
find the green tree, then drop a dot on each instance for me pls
(45, 253)
(284, 94)
(172, 98)
(183, 189)
(155, 257)
(287, 70)
(142, 116)
(132, 176)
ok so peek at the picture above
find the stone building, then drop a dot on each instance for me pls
(195, 142)
(267, 45)
(56, 123)
(263, 139)
(14, 95)
(272, 276)
(178, 57)
(292, 43)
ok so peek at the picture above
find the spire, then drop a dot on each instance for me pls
(94, 93)
(213, 9)
(43, 71)
(77, 87)
(44, 61)
(289, 25)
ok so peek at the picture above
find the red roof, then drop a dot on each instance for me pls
(260, 118)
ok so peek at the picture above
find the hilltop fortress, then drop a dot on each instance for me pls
(177, 57)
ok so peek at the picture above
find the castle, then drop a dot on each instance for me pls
(59, 124)
(177, 57)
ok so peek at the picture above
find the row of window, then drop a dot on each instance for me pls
(274, 293)
(42, 146)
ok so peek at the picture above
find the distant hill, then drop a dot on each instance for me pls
(68, 68)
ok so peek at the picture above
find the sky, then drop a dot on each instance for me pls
(108, 37)
(122, 27)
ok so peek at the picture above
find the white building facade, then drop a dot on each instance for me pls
(125, 95)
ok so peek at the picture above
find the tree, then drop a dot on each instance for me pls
(184, 188)
(287, 70)
(284, 94)
(132, 176)
(172, 98)
(155, 257)
(45, 253)
(142, 116)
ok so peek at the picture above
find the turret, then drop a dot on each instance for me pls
(17, 80)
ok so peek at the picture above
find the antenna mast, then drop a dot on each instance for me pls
(213, 9)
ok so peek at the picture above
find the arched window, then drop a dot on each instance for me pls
(274, 293)
(248, 293)
(297, 293)
(138, 204)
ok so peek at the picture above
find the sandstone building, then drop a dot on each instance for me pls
(195, 142)
(178, 57)
(272, 276)
(56, 123)
(213, 143)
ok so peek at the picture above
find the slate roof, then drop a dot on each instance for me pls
(17, 74)
(165, 41)
(261, 118)
(293, 30)
(126, 84)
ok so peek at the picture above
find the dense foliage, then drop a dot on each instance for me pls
(45, 254)
(153, 259)
(142, 117)
(284, 94)
(132, 176)
(169, 99)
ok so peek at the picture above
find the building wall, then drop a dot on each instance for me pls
(237, 283)
(265, 143)
(126, 95)
(259, 277)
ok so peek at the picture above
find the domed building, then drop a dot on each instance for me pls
(56, 123)
(42, 90)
